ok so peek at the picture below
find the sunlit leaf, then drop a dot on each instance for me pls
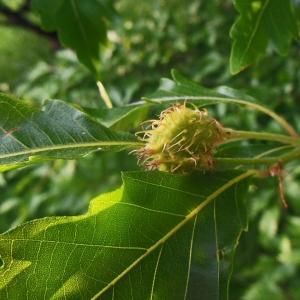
(29, 135)
(261, 23)
(161, 236)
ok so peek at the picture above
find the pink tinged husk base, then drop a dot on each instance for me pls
(183, 139)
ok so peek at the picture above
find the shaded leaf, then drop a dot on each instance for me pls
(161, 236)
(242, 155)
(29, 135)
(120, 118)
(260, 23)
(239, 149)
(80, 25)
(183, 89)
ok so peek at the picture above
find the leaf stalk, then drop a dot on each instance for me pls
(234, 135)
(257, 161)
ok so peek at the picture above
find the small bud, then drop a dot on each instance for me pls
(183, 139)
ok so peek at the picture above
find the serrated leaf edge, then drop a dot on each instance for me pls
(191, 215)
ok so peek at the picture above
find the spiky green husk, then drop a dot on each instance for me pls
(183, 139)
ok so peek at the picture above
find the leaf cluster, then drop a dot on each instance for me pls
(156, 225)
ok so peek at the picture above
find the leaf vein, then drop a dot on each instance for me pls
(176, 228)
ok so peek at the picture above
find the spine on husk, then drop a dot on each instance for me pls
(181, 140)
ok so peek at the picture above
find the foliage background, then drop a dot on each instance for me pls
(152, 38)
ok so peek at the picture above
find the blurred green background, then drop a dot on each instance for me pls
(154, 37)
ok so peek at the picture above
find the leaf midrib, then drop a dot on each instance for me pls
(80, 25)
(177, 227)
(81, 145)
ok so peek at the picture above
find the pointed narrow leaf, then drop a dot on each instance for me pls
(161, 236)
(183, 89)
(80, 25)
(261, 22)
(29, 135)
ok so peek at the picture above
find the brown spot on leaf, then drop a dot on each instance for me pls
(11, 131)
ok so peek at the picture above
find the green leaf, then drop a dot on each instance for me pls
(29, 135)
(80, 25)
(120, 118)
(161, 236)
(261, 22)
(183, 89)
(239, 149)
(245, 157)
